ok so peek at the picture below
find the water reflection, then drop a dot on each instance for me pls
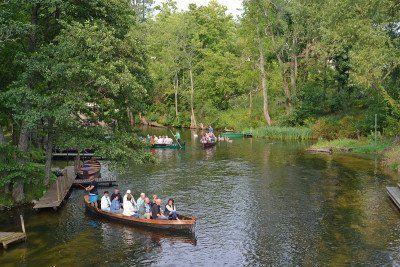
(258, 203)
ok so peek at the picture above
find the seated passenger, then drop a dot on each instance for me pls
(105, 202)
(116, 194)
(115, 205)
(156, 212)
(129, 209)
(140, 200)
(154, 200)
(145, 210)
(170, 210)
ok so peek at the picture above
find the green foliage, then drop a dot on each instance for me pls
(281, 133)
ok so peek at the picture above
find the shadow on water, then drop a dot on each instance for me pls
(257, 202)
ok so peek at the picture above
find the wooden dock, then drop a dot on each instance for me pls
(394, 194)
(7, 238)
(57, 192)
(102, 181)
(72, 155)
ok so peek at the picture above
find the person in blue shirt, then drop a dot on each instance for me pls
(178, 137)
(210, 129)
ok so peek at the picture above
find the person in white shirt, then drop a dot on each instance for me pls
(125, 198)
(168, 140)
(105, 202)
(129, 209)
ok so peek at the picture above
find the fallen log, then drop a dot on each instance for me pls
(320, 150)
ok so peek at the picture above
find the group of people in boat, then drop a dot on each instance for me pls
(163, 140)
(208, 137)
(143, 207)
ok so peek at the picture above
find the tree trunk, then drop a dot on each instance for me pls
(193, 123)
(264, 86)
(176, 85)
(130, 117)
(18, 187)
(2, 138)
(49, 150)
(250, 102)
(287, 94)
(285, 85)
(294, 66)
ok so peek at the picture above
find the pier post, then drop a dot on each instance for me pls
(22, 223)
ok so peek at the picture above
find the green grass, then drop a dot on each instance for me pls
(362, 146)
(392, 158)
(281, 133)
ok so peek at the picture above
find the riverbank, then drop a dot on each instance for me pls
(32, 193)
(389, 150)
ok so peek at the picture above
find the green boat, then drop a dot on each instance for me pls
(165, 146)
(232, 135)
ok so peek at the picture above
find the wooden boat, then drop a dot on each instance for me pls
(232, 135)
(208, 145)
(90, 168)
(184, 224)
(172, 146)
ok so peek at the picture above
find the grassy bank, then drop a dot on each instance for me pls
(392, 158)
(360, 146)
(281, 133)
(389, 151)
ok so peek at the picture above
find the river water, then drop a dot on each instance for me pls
(258, 203)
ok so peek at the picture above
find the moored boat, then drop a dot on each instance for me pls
(90, 168)
(232, 135)
(184, 223)
(165, 146)
(208, 144)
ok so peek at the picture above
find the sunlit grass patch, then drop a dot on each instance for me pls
(281, 133)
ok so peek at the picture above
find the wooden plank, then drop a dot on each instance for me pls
(57, 192)
(100, 180)
(394, 193)
(7, 238)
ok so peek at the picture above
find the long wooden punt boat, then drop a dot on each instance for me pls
(232, 135)
(165, 146)
(208, 145)
(184, 224)
(90, 168)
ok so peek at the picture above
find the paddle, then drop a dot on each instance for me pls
(175, 138)
(82, 186)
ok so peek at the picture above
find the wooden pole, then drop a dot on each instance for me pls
(22, 223)
(376, 126)
(58, 190)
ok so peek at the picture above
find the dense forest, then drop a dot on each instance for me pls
(85, 73)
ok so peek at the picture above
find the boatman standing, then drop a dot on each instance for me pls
(93, 194)
(178, 137)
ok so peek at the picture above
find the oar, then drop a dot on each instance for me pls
(175, 138)
(82, 186)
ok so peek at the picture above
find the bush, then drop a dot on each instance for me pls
(282, 133)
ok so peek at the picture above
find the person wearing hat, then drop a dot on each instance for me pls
(93, 194)
(131, 199)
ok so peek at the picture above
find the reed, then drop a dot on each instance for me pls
(282, 133)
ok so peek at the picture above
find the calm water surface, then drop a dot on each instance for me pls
(258, 203)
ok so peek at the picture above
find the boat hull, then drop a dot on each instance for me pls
(185, 224)
(231, 135)
(90, 169)
(208, 145)
(164, 146)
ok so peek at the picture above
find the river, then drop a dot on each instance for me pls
(258, 202)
